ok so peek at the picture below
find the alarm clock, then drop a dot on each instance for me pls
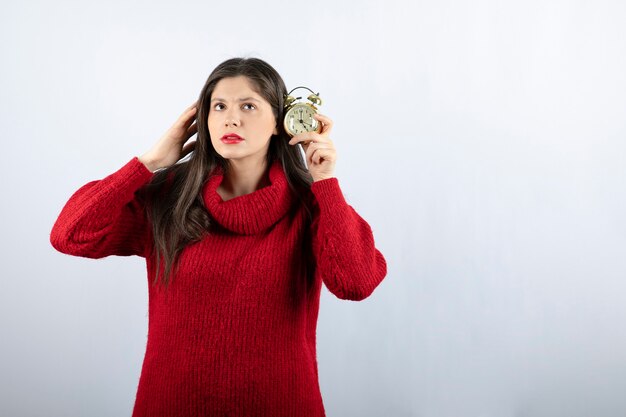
(299, 115)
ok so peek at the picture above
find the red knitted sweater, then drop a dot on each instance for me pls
(235, 333)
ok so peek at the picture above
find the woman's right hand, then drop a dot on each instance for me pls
(169, 149)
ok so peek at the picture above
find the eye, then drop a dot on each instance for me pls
(247, 104)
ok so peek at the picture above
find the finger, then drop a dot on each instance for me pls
(310, 147)
(306, 144)
(327, 123)
(309, 137)
(188, 148)
(192, 130)
(189, 114)
(300, 137)
(187, 118)
(322, 154)
(189, 111)
(310, 150)
(317, 156)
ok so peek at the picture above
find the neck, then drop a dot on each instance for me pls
(243, 178)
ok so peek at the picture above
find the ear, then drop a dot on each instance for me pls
(276, 130)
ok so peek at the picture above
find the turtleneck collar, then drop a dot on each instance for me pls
(251, 213)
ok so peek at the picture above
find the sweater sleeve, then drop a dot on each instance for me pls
(104, 217)
(343, 245)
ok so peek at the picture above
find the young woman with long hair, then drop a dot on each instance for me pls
(238, 239)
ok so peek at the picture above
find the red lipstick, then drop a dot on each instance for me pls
(231, 138)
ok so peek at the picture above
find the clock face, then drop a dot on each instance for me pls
(299, 119)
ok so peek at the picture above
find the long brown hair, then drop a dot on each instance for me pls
(173, 199)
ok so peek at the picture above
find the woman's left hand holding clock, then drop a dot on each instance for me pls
(319, 149)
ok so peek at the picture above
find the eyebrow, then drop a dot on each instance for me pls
(241, 99)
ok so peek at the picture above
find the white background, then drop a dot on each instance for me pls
(484, 142)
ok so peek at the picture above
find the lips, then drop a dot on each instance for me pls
(231, 136)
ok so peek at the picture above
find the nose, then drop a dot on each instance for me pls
(231, 120)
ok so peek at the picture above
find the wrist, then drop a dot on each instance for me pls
(323, 178)
(149, 163)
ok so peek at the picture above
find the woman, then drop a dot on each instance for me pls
(240, 237)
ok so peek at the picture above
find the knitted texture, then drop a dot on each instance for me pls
(235, 333)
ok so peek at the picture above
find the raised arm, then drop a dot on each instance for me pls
(343, 245)
(105, 217)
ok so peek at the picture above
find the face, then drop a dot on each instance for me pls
(236, 108)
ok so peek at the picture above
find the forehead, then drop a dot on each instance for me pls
(234, 88)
